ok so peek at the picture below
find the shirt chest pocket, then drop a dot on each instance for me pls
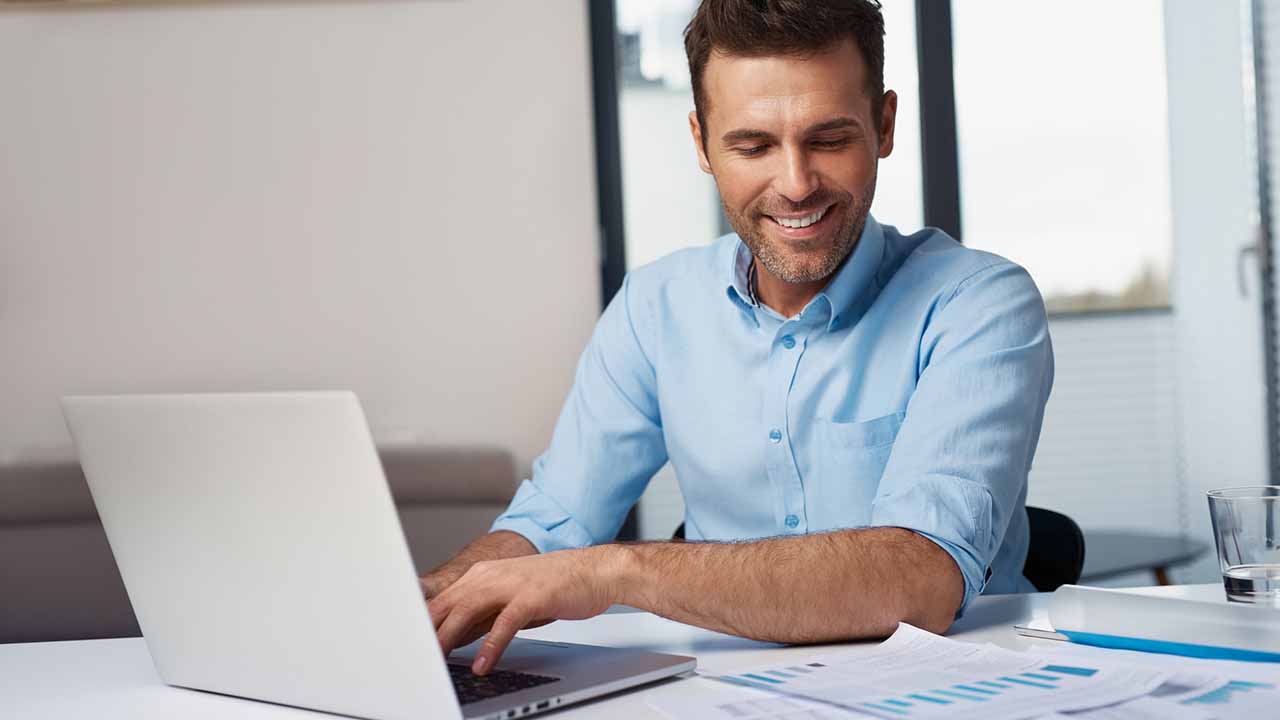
(867, 435)
(846, 461)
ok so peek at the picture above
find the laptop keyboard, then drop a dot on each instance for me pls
(474, 688)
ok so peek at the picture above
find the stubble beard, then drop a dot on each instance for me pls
(779, 259)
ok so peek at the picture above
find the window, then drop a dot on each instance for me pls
(1064, 146)
(668, 203)
(899, 187)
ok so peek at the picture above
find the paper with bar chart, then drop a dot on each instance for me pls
(1196, 689)
(916, 674)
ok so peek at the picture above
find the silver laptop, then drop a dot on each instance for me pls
(264, 559)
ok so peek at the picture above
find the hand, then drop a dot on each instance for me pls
(434, 583)
(496, 545)
(501, 597)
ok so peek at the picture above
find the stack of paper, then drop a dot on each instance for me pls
(1195, 689)
(915, 674)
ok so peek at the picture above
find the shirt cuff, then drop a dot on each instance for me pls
(953, 513)
(975, 575)
(542, 521)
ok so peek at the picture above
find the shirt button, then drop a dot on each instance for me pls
(788, 342)
(792, 521)
(775, 435)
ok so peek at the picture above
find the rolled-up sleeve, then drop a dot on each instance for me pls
(606, 446)
(958, 470)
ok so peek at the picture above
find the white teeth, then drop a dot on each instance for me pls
(801, 222)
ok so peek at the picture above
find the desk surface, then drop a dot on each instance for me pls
(109, 679)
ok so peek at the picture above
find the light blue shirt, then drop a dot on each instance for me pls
(908, 393)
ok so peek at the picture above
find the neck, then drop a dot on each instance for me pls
(787, 299)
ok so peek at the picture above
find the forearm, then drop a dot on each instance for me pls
(494, 546)
(831, 586)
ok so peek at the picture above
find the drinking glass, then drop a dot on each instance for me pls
(1246, 529)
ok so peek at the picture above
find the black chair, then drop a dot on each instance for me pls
(1055, 556)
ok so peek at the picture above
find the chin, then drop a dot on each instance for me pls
(804, 269)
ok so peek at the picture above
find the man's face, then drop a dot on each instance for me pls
(793, 147)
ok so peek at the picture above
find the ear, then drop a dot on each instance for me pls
(888, 121)
(696, 129)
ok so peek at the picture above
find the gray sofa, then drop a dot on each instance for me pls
(58, 580)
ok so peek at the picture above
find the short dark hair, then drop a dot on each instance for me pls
(758, 28)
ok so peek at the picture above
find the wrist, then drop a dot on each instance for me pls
(507, 544)
(619, 567)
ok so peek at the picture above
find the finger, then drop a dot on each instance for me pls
(468, 585)
(505, 627)
(475, 633)
(463, 625)
(471, 634)
(438, 609)
(442, 605)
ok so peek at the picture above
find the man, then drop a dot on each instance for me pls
(851, 412)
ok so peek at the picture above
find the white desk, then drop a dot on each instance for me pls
(114, 679)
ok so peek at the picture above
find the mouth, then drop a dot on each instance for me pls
(808, 225)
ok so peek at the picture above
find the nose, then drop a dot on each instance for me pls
(797, 180)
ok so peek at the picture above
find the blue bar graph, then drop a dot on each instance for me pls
(1068, 670)
(962, 696)
(1222, 695)
(885, 708)
(1031, 683)
(930, 702)
(742, 681)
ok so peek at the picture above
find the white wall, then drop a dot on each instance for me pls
(395, 197)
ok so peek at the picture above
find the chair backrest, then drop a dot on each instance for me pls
(1055, 556)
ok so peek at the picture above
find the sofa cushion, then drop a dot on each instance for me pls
(62, 583)
(44, 493)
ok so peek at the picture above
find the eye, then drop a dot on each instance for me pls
(751, 151)
(831, 143)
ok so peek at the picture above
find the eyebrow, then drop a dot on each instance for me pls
(741, 135)
(839, 123)
(745, 134)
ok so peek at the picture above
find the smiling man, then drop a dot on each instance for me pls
(851, 412)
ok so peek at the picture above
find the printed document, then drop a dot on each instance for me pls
(916, 674)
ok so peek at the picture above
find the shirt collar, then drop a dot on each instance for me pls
(739, 270)
(858, 274)
(849, 283)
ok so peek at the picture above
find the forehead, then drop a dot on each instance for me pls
(776, 91)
